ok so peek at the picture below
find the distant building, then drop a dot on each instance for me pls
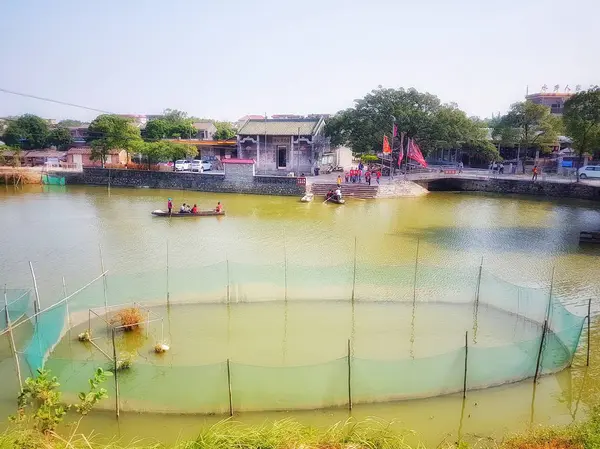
(282, 146)
(79, 134)
(554, 100)
(240, 122)
(206, 130)
(140, 120)
(82, 157)
(287, 116)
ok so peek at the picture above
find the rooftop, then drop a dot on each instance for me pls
(281, 127)
(203, 125)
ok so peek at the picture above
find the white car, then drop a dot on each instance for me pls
(200, 166)
(182, 165)
(589, 171)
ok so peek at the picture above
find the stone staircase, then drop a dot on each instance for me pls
(359, 190)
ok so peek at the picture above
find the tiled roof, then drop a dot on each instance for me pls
(280, 127)
(203, 125)
(88, 150)
(44, 153)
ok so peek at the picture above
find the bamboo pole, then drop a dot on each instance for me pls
(548, 311)
(416, 268)
(228, 287)
(116, 374)
(168, 295)
(476, 309)
(64, 284)
(36, 303)
(285, 268)
(12, 339)
(229, 387)
(539, 357)
(466, 363)
(349, 378)
(587, 362)
(103, 280)
(354, 275)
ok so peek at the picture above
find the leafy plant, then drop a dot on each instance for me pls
(130, 318)
(124, 363)
(84, 336)
(95, 393)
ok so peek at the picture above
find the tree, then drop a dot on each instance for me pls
(163, 151)
(175, 116)
(27, 131)
(224, 131)
(528, 126)
(582, 122)
(420, 116)
(108, 132)
(70, 122)
(60, 137)
(157, 129)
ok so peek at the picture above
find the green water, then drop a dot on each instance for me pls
(60, 229)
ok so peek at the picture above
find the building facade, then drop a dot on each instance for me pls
(283, 146)
(205, 130)
(554, 100)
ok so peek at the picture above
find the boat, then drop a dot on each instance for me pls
(335, 200)
(200, 213)
(589, 237)
(307, 198)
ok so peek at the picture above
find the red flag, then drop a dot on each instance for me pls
(401, 148)
(414, 152)
(395, 130)
(386, 145)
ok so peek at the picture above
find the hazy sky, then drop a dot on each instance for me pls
(224, 59)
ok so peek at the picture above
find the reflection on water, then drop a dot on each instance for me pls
(520, 239)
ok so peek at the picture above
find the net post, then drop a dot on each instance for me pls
(103, 280)
(587, 362)
(416, 269)
(168, 271)
(539, 357)
(285, 293)
(349, 377)
(117, 410)
(228, 287)
(229, 387)
(64, 285)
(354, 270)
(550, 295)
(466, 363)
(12, 339)
(36, 303)
(476, 308)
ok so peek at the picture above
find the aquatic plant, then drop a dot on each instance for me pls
(84, 336)
(129, 318)
(160, 348)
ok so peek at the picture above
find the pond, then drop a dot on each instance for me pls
(254, 274)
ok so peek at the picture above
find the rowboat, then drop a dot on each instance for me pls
(200, 213)
(335, 200)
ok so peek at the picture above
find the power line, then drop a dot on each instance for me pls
(20, 94)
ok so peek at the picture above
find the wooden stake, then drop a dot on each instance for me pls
(466, 361)
(228, 295)
(117, 409)
(36, 303)
(12, 339)
(229, 386)
(416, 267)
(349, 378)
(587, 363)
(539, 357)
(354, 276)
(168, 271)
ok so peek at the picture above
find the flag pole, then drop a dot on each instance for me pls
(392, 149)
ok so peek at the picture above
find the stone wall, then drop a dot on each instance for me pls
(205, 182)
(515, 186)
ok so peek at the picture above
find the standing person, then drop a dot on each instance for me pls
(170, 205)
(339, 180)
(219, 208)
(368, 177)
(535, 173)
(347, 176)
(361, 167)
(510, 168)
(460, 167)
(378, 176)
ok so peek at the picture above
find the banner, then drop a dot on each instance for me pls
(401, 148)
(414, 152)
(386, 145)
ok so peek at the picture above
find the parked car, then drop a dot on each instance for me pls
(206, 165)
(589, 171)
(182, 165)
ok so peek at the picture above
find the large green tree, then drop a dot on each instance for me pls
(171, 124)
(582, 122)
(70, 122)
(27, 131)
(60, 137)
(421, 116)
(162, 151)
(157, 129)
(109, 132)
(529, 127)
(224, 131)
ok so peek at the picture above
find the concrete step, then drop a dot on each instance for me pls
(363, 191)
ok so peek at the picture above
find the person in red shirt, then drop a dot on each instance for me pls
(170, 205)
(195, 209)
(219, 208)
(378, 175)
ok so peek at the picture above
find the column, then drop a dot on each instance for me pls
(258, 150)
(292, 152)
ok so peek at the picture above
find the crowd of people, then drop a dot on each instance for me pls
(187, 209)
(355, 175)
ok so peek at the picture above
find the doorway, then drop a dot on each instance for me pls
(281, 157)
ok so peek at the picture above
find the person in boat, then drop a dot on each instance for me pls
(338, 194)
(170, 205)
(329, 195)
(195, 209)
(219, 208)
(183, 209)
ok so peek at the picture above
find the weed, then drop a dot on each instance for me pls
(129, 318)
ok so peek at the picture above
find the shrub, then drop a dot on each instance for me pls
(130, 318)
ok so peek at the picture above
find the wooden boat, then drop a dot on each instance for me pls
(335, 200)
(200, 213)
(589, 237)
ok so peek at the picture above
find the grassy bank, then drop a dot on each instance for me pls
(289, 434)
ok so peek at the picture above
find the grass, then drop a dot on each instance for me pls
(130, 318)
(289, 434)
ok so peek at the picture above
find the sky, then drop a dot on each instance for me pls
(223, 59)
